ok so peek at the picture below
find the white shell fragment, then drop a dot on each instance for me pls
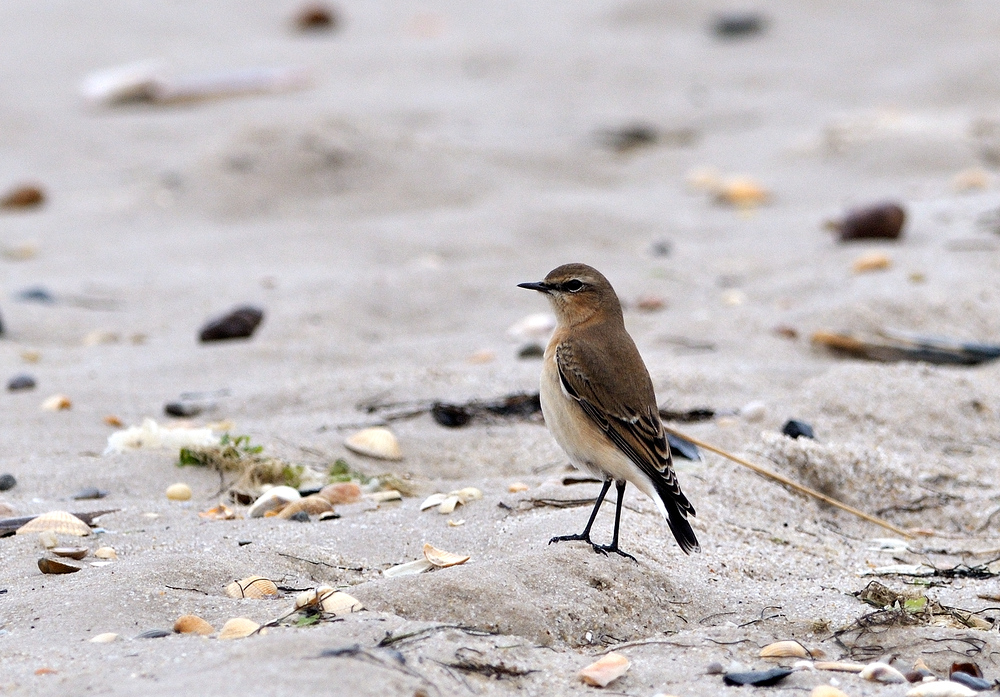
(375, 442)
(59, 522)
(440, 558)
(410, 568)
(153, 436)
(57, 402)
(273, 499)
(941, 688)
(105, 638)
(882, 672)
(785, 649)
(609, 668)
(446, 503)
(384, 496)
(106, 553)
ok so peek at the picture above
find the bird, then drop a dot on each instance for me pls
(599, 404)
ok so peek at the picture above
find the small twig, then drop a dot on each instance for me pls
(792, 484)
(321, 563)
(193, 590)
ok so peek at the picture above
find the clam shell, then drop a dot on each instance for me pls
(448, 505)
(105, 638)
(71, 552)
(387, 495)
(254, 587)
(882, 672)
(106, 553)
(785, 649)
(827, 691)
(941, 688)
(59, 522)
(192, 624)
(469, 493)
(179, 492)
(610, 667)
(313, 505)
(238, 628)
(57, 402)
(375, 442)
(54, 566)
(341, 492)
(410, 568)
(274, 498)
(338, 603)
(440, 558)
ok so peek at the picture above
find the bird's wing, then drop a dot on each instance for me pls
(628, 414)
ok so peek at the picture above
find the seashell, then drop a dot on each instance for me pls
(54, 566)
(873, 261)
(469, 493)
(410, 568)
(154, 634)
(482, 356)
(106, 553)
(839, 666)
(535, 327)
(311, 597)
(122, 84)
(341, 492)
(440, 558)
(759, 678)
(254, 587)
(274, 498)
(57, 402)
(71, 552)
(24, 196)
(827, 691)
(338, 603)
(375, 442)
(239, 323)
(329, 515)
(48, 539)
(941, 688)
(105, 638)
(878, 221)
(741, 192)
(238, 628)
(610, 667)
(112, 420)
(220, 512)
(449, 503)
(59, 522)
(98, 337)
(455, 523)
(101, 563)
(785, 649)
(754, 411)
(971, 180)
(970, 681)
(179, 492)
(315, 17)
(387, 495)
(433, 500)
(882, 672)
(446, 503)
(312, 505)
(192, 624)
(967, 668)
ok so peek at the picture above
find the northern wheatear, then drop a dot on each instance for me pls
(599, 404)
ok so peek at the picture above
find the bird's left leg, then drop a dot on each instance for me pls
(613, 547)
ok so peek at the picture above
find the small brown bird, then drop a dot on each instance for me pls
(599, 404)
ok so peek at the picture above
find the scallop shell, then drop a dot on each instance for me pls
(941, 688)
(610, 667)
(192, 624)
(54, 566)
(440, 558)
(57, 402)
(106, 553)
(341, 492)
(882, 672)
(338, 603)
(71, 552)
(313, 505)
(254, 587)
(410, 568)
(827, 691)
(179, 492)
(105, 638)
(375, 442)
(274, 498)
(59, 522)
(785, 649)
(238, 628)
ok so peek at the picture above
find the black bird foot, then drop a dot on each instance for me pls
(604, 549)
(572, 538)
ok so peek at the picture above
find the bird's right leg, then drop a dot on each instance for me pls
(585, 535)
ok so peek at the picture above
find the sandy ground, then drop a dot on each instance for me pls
(445, 152)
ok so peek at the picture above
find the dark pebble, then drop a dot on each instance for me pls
(450, 415)
(154, 634)
(682, 448)
(739, 24)
(244, 543)
(21, 382)
(661, 248)
(797, 429)
(238, 324)
(1, 326)
(758, 678)
(7, 482)
(316, 17)
(300, 517)
(881, 221)
(531, 351)
(26, 196)
(89, 493)
(183, 409)
(36, 295)
(971, 681)
(628, 137)
(309, 491)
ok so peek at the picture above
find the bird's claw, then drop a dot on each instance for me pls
(604, 549)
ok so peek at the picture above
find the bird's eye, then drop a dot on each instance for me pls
(573, 285)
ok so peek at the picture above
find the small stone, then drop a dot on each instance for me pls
(738, 25)
(626, 138)
(240, 323)
(21, 382)
(315, 17)
(879, 221)
(482, 357)
(758, 678)
(7, 482)
(24, 196)
(650, 303)
(36, 295)
(517, 487)
(179, 492)
(181, 409)
(661, 248)
(105, 638)
(754, 411)
(89, 493)
(112, 420)
(341, 492)
(450, 415)
(531, 351)
(107, 553)
(714, 668)
(797, 429)
(300, 517)
(48, 539)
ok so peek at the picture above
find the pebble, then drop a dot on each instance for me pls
(607, 669)
(629, 137)
(316, 16)
(21, 382)
(89, 493)
(661, 248)
(341, 492)
(300, 517)
(24, 196)
(105, 638)
(733, 25)
(682, 448)
(36, 295)
(181, 409)
(179, 492)
(714, 668)
(971, 681)
(758, 678)
(650, 303)
(878, 221)
(531, 351)
(754, 411)
(239, 323)
(797, 429)
(57, 402)
(7, 482)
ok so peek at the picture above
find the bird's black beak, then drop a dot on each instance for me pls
(540, 286)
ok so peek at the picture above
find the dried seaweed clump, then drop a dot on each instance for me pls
(864, 477)
(235, 454)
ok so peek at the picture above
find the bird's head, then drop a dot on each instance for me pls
(578, 293)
